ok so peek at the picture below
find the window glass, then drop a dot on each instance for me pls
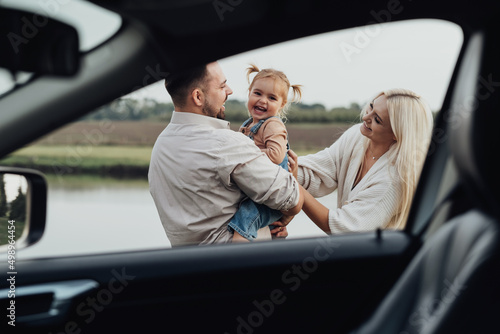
(99, 199)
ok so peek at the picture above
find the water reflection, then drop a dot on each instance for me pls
(92, 215)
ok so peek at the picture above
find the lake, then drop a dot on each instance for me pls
(91, 215)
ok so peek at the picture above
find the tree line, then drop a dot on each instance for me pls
(15, 210)
(236, 112)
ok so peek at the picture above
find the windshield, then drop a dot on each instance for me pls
(93, 24)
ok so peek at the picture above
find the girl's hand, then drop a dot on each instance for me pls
(293, 165)
(280, 231)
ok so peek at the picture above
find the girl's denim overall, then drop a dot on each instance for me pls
(252, 216)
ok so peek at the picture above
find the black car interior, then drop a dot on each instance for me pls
(440, 275)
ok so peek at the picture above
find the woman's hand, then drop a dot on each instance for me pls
(293, 166)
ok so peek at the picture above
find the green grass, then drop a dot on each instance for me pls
(136, 154)
(121, 161)
(84, 181)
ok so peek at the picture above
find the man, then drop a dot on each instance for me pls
(201, 170)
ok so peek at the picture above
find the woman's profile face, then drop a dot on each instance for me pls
(376, 123)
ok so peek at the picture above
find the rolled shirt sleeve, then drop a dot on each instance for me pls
(317, 173)
(256, 176)
(275, 138)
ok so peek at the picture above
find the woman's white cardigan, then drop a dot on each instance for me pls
(372, 203)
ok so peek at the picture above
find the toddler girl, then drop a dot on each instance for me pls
(267, 104)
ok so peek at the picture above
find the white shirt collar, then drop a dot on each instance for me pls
(189, 118)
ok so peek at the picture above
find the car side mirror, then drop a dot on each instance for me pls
(37, 44)
(23, 207)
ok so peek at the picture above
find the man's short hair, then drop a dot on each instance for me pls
(180, 84)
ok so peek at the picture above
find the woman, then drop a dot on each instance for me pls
(374, 166)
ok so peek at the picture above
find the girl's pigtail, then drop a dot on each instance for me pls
(297, 93)
(252, 69)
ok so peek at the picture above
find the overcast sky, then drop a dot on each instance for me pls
(339, 68)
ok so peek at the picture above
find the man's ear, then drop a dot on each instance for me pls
(197, 97)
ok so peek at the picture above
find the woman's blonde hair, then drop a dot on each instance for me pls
(280, 79)
(411, 122)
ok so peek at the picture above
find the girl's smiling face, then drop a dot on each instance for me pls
(264, 99)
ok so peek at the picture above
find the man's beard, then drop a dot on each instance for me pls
(212, 111)
(221, 114)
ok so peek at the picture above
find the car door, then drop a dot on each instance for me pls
(288, 285)
(314, 284)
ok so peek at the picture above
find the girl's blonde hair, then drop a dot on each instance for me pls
(279, 78)
(411, 122)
